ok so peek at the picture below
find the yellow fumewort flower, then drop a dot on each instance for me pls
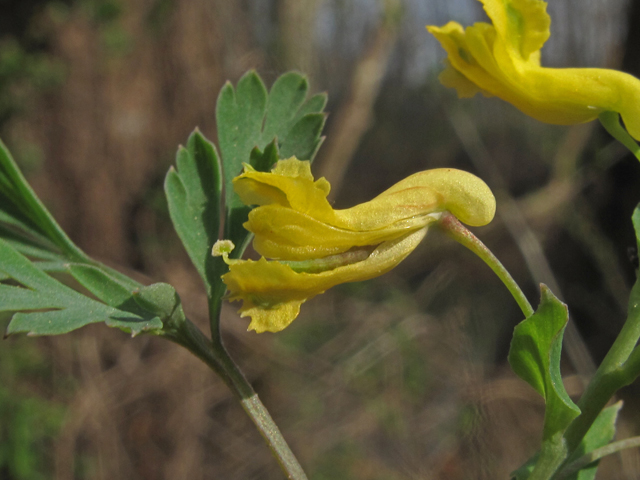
(314, 247)
(503, 59)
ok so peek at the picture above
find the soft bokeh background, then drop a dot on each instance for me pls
(402, 377)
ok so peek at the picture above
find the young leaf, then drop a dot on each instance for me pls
(580, 466)
(194, 192)
(600, 434)
(24, 216)
(535, 357)
(249, 117)
(264, 160)
(47, 307)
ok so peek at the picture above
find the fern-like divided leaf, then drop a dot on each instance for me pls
(45, 306)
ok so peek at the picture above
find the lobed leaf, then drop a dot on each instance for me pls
(303, 140)
(44, 306)
(100, 284)
(194, 191)
(263, 161)
(535, 357)
(287, 95)
(240, 116)
(600, 434)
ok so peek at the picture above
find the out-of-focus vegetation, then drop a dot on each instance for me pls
(31, 411)
(400, 377)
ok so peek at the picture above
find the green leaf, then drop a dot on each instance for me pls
(600, 434)
(24, 218)
(42, 250)
(249, 117)
(47, 307)
(303, 140)
(264, 160)
(240, 116)
(315, 104)
(287, 95)
(194, 192)
(114, 291)
(162, 300)
(581, 466)
(535, 357)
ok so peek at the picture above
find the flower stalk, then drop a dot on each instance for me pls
(456, 230)
(611, 122)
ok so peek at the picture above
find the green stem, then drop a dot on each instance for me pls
(217, 358)
(611, 122)
(215, 355)
(216, 294)
(552, 453)
(452, 227)
(631, 367)
(619, 368)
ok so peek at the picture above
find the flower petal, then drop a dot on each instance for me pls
(272, 292)
(523, 25)
(289, 184)
(455, 41)
(452, 78)
(503, 60)
(437, 190)
(283, 233)
(288, 234)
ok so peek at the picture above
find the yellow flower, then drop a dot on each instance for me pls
(314, 247)
(503, 59)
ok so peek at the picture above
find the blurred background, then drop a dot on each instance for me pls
(401, 377)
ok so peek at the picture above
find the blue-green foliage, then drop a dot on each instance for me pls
(194, 190)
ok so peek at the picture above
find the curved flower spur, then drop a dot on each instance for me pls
(503, 60)
(313, 247)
